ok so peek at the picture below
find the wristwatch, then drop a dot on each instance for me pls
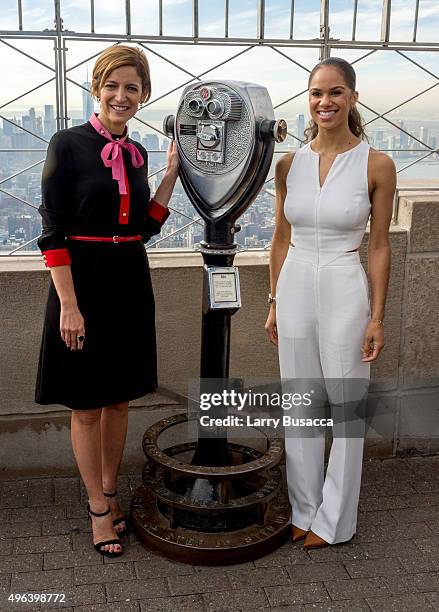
(271, 299)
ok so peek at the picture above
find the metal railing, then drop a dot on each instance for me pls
(61, 35)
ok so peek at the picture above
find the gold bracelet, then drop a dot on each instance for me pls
(380, 321)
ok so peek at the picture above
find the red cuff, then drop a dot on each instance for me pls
(56, 257)
(157, 211)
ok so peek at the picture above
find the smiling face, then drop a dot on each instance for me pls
(120, 95)
(330, 98)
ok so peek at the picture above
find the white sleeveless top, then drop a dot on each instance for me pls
(333, 217)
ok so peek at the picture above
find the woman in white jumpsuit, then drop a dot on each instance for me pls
(321, 317)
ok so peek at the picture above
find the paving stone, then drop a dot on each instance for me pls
(63, 526)
(185, 603)
(43, 513)
(247, 565)
(66, 491)
(337, 553)
(420, 464)
(370, 568)
(49, 579)
(426, 486)
(77, 511)
(14, 494)
(159, 566)
(286, 555)
(385, 488)
(95, 574)
(261, 577)
(82, 541)
(41, 492)
(316, 572)
(430, 544)
(20, 563)
(356, 588)
(433, 525)
(368, 504)
(22, 530)
(413, 583)
(298, 608)
(5, 590)
(6, 546)
(378, 550)
(350, 605)
(198, 583)
(421, 500)
(115, 606)
(393, 532)
(84, 595)
(312, 592)
(136, 589)
(239, 599)
(6, 514)
(420, 562)
(403, 603)
(426, 514)
(71, 558)
(433, 598)
(42, 544)
(132, 552)
(375, 517)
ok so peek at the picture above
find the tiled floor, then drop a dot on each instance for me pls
(391, 565)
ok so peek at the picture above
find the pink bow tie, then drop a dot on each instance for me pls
(112, 156)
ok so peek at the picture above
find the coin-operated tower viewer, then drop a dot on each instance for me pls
(225, 133)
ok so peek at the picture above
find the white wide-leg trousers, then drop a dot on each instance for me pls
(322, 314)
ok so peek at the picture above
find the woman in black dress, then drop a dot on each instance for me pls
(98, 350)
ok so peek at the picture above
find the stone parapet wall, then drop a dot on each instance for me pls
(405, 391)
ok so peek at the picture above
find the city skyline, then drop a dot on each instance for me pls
(383, 77)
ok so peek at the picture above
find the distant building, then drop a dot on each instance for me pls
(136, 136)
(8, 128)
(32, 120)
(423, 134)
(49, 121)
(300, 127)
(87, 102)
(39, 126)
(403, 137)
(152, 142)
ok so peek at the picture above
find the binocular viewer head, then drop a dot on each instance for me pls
(225, 133)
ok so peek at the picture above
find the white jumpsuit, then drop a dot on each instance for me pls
(322, 314)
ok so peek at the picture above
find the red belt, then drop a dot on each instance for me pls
(107, 238)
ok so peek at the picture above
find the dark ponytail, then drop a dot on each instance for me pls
(356, 124)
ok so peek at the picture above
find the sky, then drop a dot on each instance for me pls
(384, 79)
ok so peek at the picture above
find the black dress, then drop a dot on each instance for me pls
(112, 281)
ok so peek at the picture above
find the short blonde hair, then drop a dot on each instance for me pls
(117, 56)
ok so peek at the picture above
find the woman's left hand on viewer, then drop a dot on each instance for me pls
(172, 159)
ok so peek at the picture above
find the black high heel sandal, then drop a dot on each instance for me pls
(121, 519)
(99, 545)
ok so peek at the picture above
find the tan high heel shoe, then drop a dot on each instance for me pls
(298, 534)
(314, 541)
